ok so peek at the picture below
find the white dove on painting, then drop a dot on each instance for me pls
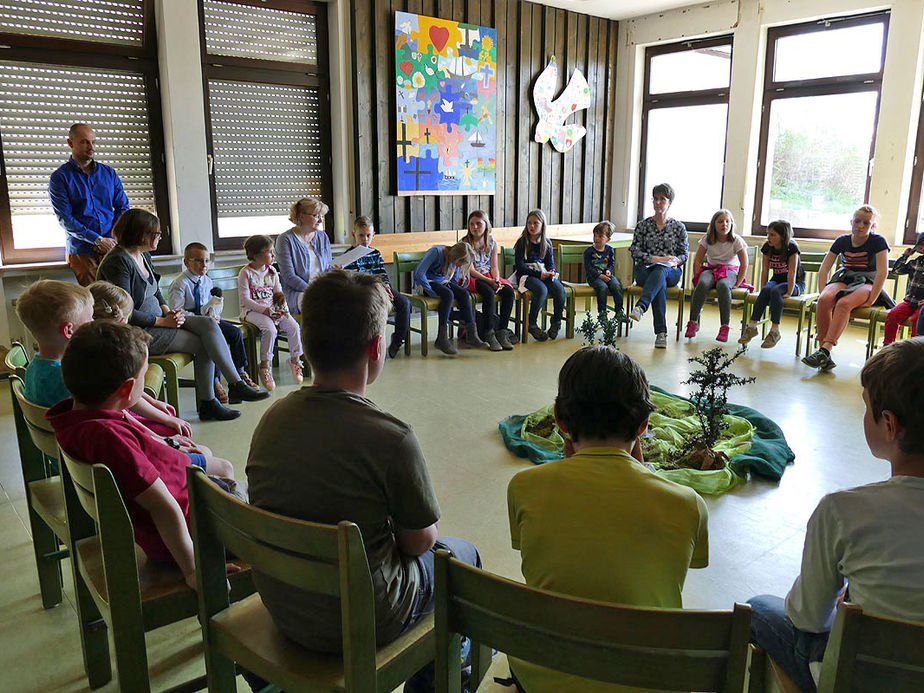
(552, 113)
(446, 106)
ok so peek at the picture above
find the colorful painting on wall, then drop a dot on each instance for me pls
(446, 82)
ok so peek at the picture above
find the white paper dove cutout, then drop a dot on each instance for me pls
(552, 114)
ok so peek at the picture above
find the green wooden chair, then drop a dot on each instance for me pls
(800, 304)
(115, 584)
(405, 264)
(872, 653)
(172, 363)
(321, 559)
(44, 496)
(674, 293)
(633, 646)
(524, 299)
(570, 256)
(739, 294)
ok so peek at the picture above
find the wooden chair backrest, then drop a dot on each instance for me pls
(225, 277)
(319, 559)
(811, 263)
(643, 647)
(404, 265)
(94, 505)
(41, 432)
(867, 653)
(17, 359)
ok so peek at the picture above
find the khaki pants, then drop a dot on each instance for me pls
(84, 267)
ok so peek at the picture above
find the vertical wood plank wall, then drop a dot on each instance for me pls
(573, 187)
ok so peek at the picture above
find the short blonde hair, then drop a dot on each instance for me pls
(111, 302)
(48, 303)
(305, 206)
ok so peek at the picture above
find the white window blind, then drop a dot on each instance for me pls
(260, 33)
(267, 145)
(38, 104)
(106, 21)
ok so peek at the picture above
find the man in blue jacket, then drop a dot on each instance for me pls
(88, 198)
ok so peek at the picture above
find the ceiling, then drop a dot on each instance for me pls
(617, 9)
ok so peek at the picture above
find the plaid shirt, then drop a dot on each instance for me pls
(915, 268)
(370, 263)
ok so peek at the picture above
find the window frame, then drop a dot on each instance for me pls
(699, 97)
(917, 184)
(270, 72)
(822, 86)
(53, 51)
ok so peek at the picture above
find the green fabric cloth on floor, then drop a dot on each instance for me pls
(753, 443)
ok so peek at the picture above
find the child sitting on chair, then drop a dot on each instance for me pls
(910, 308)
(52, 311)
(191, 292)
(599, 266)
(103, 366)
(372, 263)
(258, 286)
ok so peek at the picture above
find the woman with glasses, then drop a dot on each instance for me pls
(659, 249)
(128, 266)
(302, 252)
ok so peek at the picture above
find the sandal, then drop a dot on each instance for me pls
(266, 375)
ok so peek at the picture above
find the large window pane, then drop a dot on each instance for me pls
(267, 144)
(261, 33)
(105, 21)
(38, 104)
(692, 163)
(817, 157)
(854, 50)
(692, 70)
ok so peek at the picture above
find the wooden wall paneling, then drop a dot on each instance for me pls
(380, 110)
(511, 42)
(471, 202)
(414, 205)
(606, 163)
(524, 155)
(487, 19)
(364, 159)
(570, 64)
(545, 150)
(459, 202)
(496, 203)
(594, 136)
(536, 60)
(557, 159)
(600, 111)
(575, 187)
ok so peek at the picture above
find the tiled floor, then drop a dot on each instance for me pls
(454, 404)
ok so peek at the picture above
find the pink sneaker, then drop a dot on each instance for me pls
(692, 329)
(723, 334)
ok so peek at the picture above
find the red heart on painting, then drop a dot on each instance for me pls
(573, 106)
(439, 36)
(406, 68)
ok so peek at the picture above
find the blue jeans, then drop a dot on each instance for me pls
(772, 295)
(402, 317)
(540, 289)
(603, 288)
(654, 282)
(448, 291)
(791, 648)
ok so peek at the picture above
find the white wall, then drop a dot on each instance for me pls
(748, 20)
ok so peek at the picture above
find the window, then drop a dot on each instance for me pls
(67, 61)
(914, 223)
(820, 107)
(684, 118)
(267, 95)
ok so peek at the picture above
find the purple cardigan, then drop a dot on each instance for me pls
(294, 261)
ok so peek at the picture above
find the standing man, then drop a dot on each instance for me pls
(88, 198)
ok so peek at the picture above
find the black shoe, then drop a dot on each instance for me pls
(242, 392)
(393, 349)
(554, 328)
(213, 410)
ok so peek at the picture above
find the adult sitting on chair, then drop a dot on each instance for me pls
(325, 453)
(128, 266)
(867, 539)
(599, 524)
(302, 252)
(659, 249)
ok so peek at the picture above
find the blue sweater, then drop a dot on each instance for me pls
(294, 261)
(430, 270)
(522, 260)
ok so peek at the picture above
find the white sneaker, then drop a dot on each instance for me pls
(661, 340)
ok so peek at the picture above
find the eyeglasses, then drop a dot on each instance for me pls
(659, 198)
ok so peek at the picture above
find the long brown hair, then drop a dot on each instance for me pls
(453, 255)
(543, 240)
(487, 239)
(712, 235)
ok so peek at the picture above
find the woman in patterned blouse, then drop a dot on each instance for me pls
(659, 249)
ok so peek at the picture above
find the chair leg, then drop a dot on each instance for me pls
(524, 324)
(220, 671)
(424, 332)
(130, 651)
(47, 562)
(172, 384)
(94, 639)
(250, 348)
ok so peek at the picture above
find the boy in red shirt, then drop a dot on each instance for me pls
(103, 367)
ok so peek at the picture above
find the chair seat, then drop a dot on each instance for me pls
(178, 358)
(48, 501)
(421, 300)
(247, 633)
(154, 379)
(580, 290)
